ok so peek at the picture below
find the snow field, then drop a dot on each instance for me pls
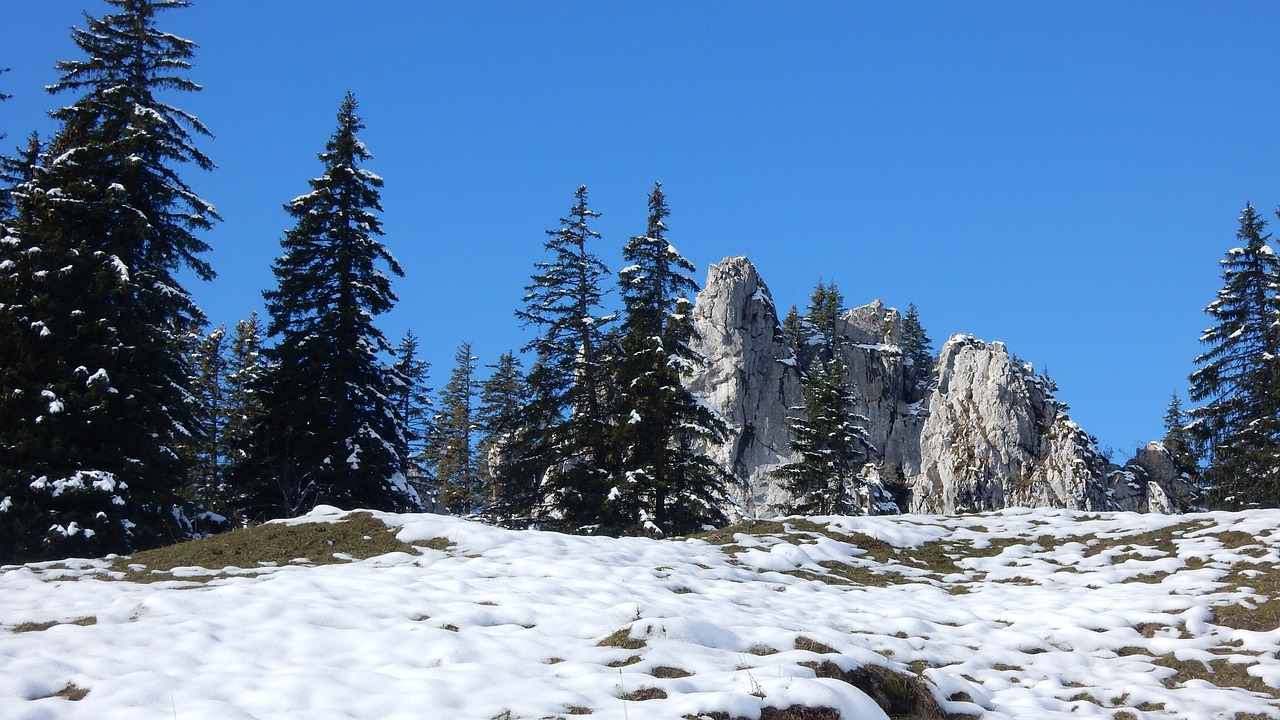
(1017, 614)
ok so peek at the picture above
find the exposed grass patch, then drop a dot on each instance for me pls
(577, 710)
(761, 650)
(646, 693)
(359, 535)
(621, 638)
(1222, 673)
(898, 694)
(42, 626)
(666, 672)
(813, 646)
(796, 712)
(624, 663)
(71, 692)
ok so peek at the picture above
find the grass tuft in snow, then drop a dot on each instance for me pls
(621, 639)
(357, 536)
(42, 626)
(71, 692)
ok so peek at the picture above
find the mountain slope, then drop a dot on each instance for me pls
(1013, 614)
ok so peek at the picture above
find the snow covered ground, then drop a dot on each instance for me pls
(1016, 614)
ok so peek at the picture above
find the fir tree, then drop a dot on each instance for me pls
(329, 432)
(792, 329)
(664, 484)
(1177, 441)
(207, 449)
(825, 307)
(1236, 377)
(96, 383)
(411, 396)
(917, 355)
(503, 419)
(452, 451)
(830, 445)
(570, 374)
(242, 409)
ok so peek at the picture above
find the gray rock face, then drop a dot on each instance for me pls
(995, 437)
(987, 434)
(750, 377)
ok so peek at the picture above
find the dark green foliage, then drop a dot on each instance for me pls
(94, 376)
(664, 484)
(1177, 440)
(411, 396)
(791, 329)
(207, 449)
(329, 432)
(831, 446)
(504, 420)
(825, 308)
(1238, 378)
(451, 452)
(917, 355)
(570, 372)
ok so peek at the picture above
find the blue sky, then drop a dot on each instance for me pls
(1060, 176)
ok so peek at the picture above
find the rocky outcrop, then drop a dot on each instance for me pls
(749, 376)
(985, 433)
(996, 437)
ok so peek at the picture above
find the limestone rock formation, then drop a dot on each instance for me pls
(750, 377)
(986, 433)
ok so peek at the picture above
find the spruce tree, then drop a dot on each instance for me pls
(451, 451)
(95, 378)
(1236, 377)
(208, 448)
(792, 329)
(503, 420)
(570, 375)
(1177, 440)
(329, 431)
(412, 398)
(664, 485)
(830, 444)
(246, 368)
(917, 355)
(826, 306)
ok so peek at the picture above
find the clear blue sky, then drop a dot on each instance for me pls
(1060, 176)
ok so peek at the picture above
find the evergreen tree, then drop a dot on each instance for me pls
(207, 449)
(412, 397)
(1236, 377)
(329, 432)
(792, 329)
(825, 307)
(917, 355)
(452, 451)
(1177, 441)
(664, 484)
(95, 383)
(242, 409)
(570, 373)
(830, 444)
(502, 418)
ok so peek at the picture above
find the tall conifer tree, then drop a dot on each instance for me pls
(830, 444)
(1237, 376)
(97, 396)
(570, 374)
(504, 399)
(452, 448)
(329, 432)
(664, 485)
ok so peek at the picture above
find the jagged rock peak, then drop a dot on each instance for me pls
(749, 376)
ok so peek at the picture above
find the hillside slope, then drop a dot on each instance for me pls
(1013, 614)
